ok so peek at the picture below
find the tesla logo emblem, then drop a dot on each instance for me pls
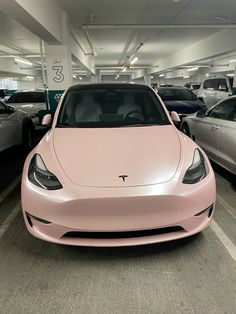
(123, 177)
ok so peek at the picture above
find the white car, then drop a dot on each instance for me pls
(16, 128)
(215, 132)
(215, 88)
(30, 102)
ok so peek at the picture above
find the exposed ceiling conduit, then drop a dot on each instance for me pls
(156, 26)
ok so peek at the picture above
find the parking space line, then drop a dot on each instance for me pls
(10, 188)
(226, 206)
(225, 240)
(8, 220)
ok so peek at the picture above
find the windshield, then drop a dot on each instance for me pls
(27, 97)
(176, 94)
(111, 107)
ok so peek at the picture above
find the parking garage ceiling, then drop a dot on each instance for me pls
(157, 31)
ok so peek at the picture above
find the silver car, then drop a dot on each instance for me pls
(215, 132)
(30, 102)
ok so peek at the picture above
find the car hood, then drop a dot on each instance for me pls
(184, 106)
(98, 157)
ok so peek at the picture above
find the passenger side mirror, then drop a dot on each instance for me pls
(47, 120)
(174, 116)
(201, 113)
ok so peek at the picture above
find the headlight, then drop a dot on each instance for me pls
(39, 175)
(198, 170)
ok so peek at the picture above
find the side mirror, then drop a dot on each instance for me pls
(174, 116)
(10, 109)
(47, 120)
(201, 113)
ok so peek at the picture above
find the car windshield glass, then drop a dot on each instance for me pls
(27, 97)
(111, 107)
(176, 94)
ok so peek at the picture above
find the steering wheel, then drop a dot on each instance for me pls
(137, 115)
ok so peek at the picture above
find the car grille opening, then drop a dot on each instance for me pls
(122, 234)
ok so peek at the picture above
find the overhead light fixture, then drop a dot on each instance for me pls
(192, 69)
(134, 60)
(30, 77)
(186, 76)
(23, 61)
(124, 69)
(161, 75)
(233, 60)
(74, 76)
(151, 77)
(207, 74)
(80, 78)
(230, 74)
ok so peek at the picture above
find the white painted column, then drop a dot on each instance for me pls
(59, 72)
(148, 80)
(95, 78)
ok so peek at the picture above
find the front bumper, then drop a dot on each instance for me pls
(118, 216)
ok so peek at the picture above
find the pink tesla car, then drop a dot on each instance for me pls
(114, 171)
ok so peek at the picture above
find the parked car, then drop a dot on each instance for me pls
(215, 132)
(181, 100)
(215, 88)
(114, 171)
(29, 101)
(16, 128)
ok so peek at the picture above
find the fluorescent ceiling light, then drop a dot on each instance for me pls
(233, 60)
(161, 75)
(230, 74)
(151, 77)
(23, 61)
(193, 69)
(124, 69)
(207, 74)
(186, 76)
(134, 60)
(80, 78)
(74, 76)
(29, 77)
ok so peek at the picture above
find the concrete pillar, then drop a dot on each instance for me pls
(95, 78)
(234, 81)
(148, 80)
(59, 72)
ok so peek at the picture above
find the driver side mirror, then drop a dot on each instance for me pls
(174, 116)
(47, 120)
(10, 109)
(201, 113)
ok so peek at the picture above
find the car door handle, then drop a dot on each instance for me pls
(215, 127)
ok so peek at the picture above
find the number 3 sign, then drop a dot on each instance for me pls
(59, 76)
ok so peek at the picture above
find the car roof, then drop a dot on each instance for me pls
(110, 85)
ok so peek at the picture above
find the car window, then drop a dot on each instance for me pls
(223, 84)
(176, 94)
(27, 97)
(212, 84)
(226, 110)
(111, 107)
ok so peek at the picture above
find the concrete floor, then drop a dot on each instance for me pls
(194, 275)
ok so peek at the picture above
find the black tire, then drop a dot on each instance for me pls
(185, 129)
(27, 134)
